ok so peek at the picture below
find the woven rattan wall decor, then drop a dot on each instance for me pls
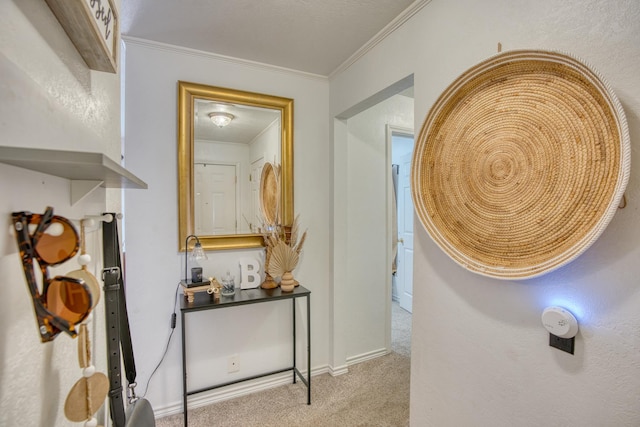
(520, 164)
(269, 193)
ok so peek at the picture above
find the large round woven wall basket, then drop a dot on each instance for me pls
(520, 164)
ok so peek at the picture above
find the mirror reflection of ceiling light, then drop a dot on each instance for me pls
(221, 119)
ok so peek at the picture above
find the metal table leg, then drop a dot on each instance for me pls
(184, 370)
(293, 305)
(308, 349)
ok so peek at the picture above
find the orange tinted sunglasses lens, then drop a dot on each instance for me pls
(68, 299)
(58, 243)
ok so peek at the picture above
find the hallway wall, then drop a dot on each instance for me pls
(480, 355)
(49, 99)
(259, 334)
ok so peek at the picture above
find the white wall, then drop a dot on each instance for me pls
(258, 334)
(480, 355)
(266, 144)
(48, 99)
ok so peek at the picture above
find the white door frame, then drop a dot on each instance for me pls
(390, 131)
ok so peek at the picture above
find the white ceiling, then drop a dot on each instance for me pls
(314, 36)
(247, 124)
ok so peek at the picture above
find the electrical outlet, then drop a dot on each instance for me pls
(233, 364)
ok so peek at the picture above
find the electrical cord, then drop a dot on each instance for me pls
(173, 328)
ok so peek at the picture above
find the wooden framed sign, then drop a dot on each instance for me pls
(93, 27)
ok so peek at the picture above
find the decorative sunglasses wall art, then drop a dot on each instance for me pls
(50, 240)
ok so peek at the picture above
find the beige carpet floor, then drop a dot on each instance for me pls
(374, 393)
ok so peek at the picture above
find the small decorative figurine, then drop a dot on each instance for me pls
(213, 289)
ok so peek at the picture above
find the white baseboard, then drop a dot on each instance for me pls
(339, 370)
(236, 390)
(353, 360)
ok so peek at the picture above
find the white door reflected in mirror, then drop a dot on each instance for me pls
(215, 199)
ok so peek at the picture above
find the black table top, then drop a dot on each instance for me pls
(204, 301)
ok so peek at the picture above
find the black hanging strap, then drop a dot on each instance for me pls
(111, 287)
(118, 335)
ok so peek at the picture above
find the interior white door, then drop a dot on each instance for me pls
(215, 199)
(405, 235)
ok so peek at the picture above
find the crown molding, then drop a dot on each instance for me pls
(220, 58)
(414, 8)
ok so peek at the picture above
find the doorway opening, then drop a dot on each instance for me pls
(363, 230)
(402, 263)
(400, 142)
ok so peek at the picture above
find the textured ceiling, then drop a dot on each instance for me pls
(314, 36)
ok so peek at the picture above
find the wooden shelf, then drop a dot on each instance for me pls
(87, 171)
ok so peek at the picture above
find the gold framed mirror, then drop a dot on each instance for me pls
(224, 215)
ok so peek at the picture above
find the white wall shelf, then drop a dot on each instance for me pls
(87, 171)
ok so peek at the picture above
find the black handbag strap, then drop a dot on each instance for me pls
(111, 286)
(117, 320)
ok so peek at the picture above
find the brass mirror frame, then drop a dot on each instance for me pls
(187, 93)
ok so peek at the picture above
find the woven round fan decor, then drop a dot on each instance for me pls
(520, 164)
(269, 192)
